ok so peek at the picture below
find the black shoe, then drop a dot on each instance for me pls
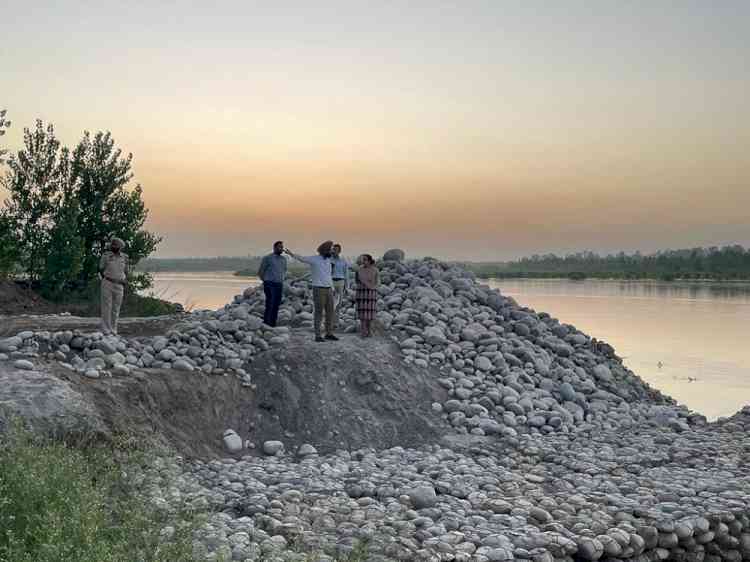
(319, 339)
(331, 337)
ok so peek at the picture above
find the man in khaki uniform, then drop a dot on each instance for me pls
(113, 269)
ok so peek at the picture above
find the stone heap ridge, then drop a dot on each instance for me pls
(552, 449)
(506, 368)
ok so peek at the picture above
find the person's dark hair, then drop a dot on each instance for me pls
(337, 246)
(277, 243)
(369, 258)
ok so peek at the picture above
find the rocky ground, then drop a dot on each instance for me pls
(471, 428)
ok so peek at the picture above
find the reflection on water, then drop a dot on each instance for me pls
(737, 293)
(195, 291)
(697, 331)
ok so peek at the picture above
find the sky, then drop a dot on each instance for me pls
(469, 129)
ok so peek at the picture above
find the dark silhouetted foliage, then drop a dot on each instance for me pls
(726, 263)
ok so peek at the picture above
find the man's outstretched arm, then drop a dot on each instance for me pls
(303, 259)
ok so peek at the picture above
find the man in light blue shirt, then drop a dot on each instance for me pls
(322, 284)
(340, 280)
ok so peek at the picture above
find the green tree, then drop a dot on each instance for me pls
(37, 176)
(108, 208)
(8, 242)
(64, 251)
(62, 208)
(8, 247)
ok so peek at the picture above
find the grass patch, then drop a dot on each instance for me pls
(140, 305)
(59, 503)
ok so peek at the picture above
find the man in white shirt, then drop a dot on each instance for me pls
(322, 283)
(341, 269)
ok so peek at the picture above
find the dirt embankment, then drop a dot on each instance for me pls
(149, 326)
(22, 308)
(16, 299)
(347, 394)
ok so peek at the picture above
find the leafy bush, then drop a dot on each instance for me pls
(140, 305)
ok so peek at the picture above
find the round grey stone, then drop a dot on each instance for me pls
(306, 450)
(272, 447)
(422, 496)
(23, 364)
(394, 255)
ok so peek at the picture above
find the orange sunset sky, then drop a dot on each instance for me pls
(474, 129)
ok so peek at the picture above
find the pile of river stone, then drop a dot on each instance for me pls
(507, 369)
(210, 344)
(645, 495)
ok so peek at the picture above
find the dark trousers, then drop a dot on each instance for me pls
(273, 291)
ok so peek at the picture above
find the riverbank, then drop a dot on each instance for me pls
(18, 298)
(607, 276)
(469, 428)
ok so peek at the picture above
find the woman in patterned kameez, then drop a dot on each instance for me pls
(366, 297)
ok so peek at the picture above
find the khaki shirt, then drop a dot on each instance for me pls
(114, 266)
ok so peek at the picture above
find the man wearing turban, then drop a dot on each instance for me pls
(321, 269)
(113, 270)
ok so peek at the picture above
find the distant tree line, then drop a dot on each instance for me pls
(63, 206)
(725, 263)
(728, 262)
(242, 266)
(220, 263)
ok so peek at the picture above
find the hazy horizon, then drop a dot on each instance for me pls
(448, 258)
(484, 130)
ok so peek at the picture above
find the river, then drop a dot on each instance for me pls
(689, 340)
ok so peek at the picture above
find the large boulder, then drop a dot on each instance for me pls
(232, 441)
(47, 404)
(422, 496)
(394, 255)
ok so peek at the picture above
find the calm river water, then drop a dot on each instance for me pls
(698, 332)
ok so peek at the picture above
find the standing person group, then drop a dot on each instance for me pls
(330, 282)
